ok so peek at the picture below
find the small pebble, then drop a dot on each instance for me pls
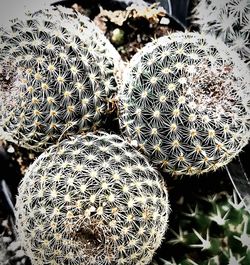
(165, 21)
(10, 149)
(13, 246)
(7, 239)
(19, 253)
(5, 223)
(23, 261)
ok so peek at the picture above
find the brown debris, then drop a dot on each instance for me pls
(152, 13)
(138, 25)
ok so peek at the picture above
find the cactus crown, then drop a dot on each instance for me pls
(57, 77)
(92, 199)
(186, 104)
(228, 20)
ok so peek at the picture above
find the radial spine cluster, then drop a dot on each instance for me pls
(92, 199)
(57, 77)
(218, 226)
(228, 20)
(185, 103)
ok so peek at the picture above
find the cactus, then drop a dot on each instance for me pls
(185, 103)
(228, 20)
(58, 75)
(213, 230)
(92, 199)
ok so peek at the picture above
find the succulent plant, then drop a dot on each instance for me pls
(91, 199)
(185, 103)
(228, 20)
(213, 230)
(58, 74)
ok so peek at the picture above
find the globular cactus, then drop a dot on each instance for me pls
(228, 20)
(213, 231)
(58, 74)
(92, 199)
(185, 103)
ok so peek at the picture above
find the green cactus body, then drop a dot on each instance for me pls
(228, 20)
(214, 231)
(58, 76)
(185, 103)
(92, 199)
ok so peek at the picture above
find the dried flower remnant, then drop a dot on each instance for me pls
(185, 101)
(92, 199)
(152, 13)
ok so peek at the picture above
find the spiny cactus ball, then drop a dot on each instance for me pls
(57, 77)
(185, 103)
(228, 20)
(215, 231)
(92, 199)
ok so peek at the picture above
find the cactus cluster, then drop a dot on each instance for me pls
(92, 199)
(228, 20)
(57, 77)
(185, 103)
(217, 227)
